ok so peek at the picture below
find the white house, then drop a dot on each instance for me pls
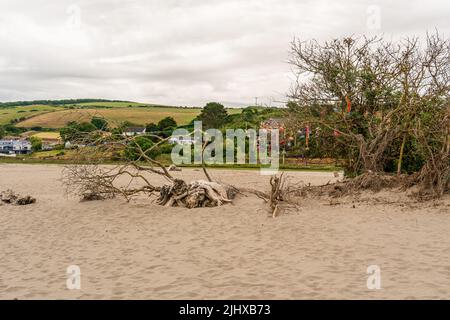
(134, 131)
(15, 147)
(181, 140)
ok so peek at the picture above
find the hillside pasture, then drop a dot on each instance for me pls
(111, 104)
(11, 113)
(47, 135)
(115, 116)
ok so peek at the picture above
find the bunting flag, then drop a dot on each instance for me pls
(349, 104)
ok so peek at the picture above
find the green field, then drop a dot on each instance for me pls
(12, 113)
(46, 135)
(114, 116)
(110, 104)
(114, 112)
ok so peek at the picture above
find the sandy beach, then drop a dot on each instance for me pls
(139, 250)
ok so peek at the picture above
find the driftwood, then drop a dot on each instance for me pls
(196, 194)
(277, 198)
(98, 182)
(10, 197)
(276, 193)
(174, 168)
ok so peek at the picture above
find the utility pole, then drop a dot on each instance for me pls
(256, 101)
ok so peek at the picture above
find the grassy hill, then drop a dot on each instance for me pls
(24, 112)
(57, 115)
(112, 104)
(114, 116)
(46, 135)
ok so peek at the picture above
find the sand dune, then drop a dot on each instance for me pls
(143, 251)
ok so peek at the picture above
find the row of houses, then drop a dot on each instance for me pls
(13, 147)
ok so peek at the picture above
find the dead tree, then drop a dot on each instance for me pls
(276, 193)
(92, 180)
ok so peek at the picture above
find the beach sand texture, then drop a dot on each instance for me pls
(139, 250)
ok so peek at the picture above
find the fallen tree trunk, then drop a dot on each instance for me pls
(199, 193)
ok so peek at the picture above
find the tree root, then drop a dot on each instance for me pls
(199, 193)
(433, 179)
(10, 197)
(276, 193)
(375, 182)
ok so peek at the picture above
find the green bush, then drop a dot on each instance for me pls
(36, 144)
(132, 151)
(166, 148)
(412, 161)
(75, 131)
(100, 123)
(168, 123)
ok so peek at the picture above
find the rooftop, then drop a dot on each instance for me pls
(135, 129)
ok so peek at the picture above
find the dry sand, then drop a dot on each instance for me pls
(143, 251)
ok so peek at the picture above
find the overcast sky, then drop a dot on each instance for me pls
(184, 52)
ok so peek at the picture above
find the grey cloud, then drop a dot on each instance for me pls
(179, 52)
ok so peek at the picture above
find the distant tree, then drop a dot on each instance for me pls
(86, 127)
(250, 115)
(54, 102)
(75, 131)
(132, 151)
(13, 130)
(36, 144)
(213, 115)
(2, 132)
(167, 123)
(127, 124)
(99, 123)
(69, 132)
(151, 127)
